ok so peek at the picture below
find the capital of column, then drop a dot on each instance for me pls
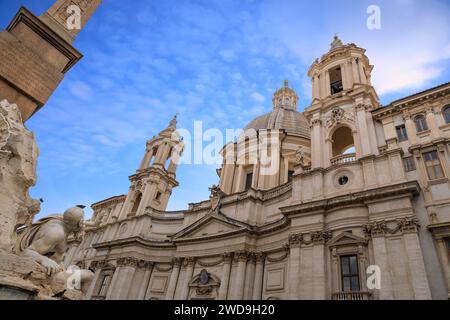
(227, 257)
(316, 122)
(189, 262)
(295, 239)
(241, 256)
(176, 262)
(260, 257)
(321, 237)
(127, 262)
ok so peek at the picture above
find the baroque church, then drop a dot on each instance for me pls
(358, 206)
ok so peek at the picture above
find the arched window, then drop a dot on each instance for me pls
(446, 113)
(421, 123)
(343, 141)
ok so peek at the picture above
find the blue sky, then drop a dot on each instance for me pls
(214, 61)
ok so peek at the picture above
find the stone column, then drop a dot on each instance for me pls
(147, 194)
(356, 78)
(249, 277)
(173, 279)
(223, 290)
(363, 132)
(444, 259)
(94, 281)
(146, 281)
(122, 281)
(319, 283)
(381, 259)
(345, 80)
(417, 266)
(362, 74)
(316, 144)
(259, 273)
(185, 277)
(295, 241)
(327, 83)
(431, 121)
(240, 177)
(237, 290)
(410, 128)
(147, 157)
(315, 84)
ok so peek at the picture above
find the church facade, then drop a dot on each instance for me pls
(357, 208)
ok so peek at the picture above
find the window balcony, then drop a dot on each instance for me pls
(351, 295)
(343, 159)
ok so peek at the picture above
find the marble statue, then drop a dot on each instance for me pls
(45, 242)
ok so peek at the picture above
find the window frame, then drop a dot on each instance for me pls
(404, 133)
(247, 186)
(104, 284)
(413, 164)
(432, 164)
(352, 273)
(446, 113)
(421, 124)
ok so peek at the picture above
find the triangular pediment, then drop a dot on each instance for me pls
(211, 225)
(346, 238)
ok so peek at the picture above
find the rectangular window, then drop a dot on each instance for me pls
(290, 175)
(248, 180)
(409, 164)
(349, 273)
(402, 135)
(335, 80)
(104, 285)
(433, 165)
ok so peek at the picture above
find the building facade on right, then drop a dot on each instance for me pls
(361, 192)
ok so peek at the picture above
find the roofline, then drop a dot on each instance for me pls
(107, 200)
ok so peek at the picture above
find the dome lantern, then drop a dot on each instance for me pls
(285, 98)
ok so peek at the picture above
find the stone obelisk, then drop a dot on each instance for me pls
(35, 54)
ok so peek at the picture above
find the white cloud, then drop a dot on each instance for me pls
(81, 90)
(228, 55)
(258, 97)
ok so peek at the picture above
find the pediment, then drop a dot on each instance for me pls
(211, 225)
(346, 238)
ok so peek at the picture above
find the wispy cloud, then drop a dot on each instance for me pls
(215, 61)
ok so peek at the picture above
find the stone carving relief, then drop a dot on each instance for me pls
(383, 227)
(319, 237)
(338, 115)
(204, 285)
(18, 156)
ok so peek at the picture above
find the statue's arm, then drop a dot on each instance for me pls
(43, 245)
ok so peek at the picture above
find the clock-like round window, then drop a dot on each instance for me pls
(343, 180)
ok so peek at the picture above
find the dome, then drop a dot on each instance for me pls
(291, 121)
(284, 115)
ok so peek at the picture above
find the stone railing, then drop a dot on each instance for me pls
(342, 159)
(270, 194)
(351, 295)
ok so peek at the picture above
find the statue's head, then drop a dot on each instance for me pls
(73, 218)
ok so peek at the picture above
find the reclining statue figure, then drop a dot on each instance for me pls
(45, 242)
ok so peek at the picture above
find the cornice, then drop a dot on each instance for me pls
(412, 188)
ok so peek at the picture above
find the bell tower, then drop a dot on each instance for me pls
(155, 178)
(342, 128)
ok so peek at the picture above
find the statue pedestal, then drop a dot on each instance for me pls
(23, 279)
